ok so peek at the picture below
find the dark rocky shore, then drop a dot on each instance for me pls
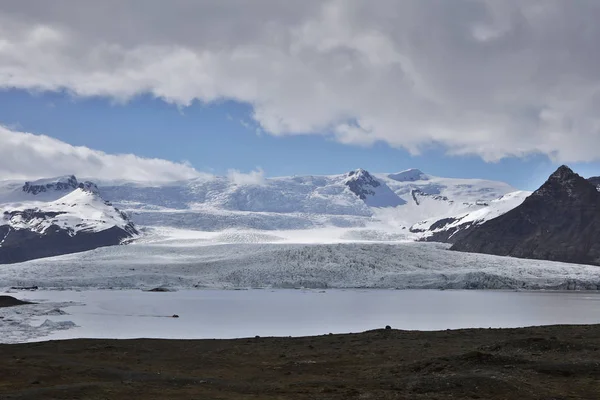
(9, 301)
(556, 362)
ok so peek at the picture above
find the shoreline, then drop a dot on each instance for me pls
(175, 289)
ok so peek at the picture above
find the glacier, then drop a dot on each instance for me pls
(188, 259)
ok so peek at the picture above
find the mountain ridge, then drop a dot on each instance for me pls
(560, 221)
(300, 202)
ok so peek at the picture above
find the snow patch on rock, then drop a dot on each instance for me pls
(369, 189)
(81, 210)
(481, 213)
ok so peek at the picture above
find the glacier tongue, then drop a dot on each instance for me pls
(193, 263)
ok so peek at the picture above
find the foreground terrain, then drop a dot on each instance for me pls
(556, 362)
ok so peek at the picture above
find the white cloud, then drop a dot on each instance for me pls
(28, 156)
(488, 77)
(256, 177)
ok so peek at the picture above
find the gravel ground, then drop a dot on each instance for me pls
(555, 362)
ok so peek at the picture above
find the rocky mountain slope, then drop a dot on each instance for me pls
(560, 221)
(595, 180)
(57, 216)
(452, 228)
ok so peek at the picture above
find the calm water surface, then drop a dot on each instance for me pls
(244, 313)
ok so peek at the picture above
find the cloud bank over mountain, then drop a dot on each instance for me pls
(29, 156)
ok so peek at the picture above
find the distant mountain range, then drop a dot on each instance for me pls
(356, 199)
(63, 215)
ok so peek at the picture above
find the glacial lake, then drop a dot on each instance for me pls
(266, 312)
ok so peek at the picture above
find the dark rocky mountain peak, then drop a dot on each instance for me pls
(564, 184)
(560, 221)
(361, 183)
(361, 174)
(88, 186)
(563, 173)
(64, 183)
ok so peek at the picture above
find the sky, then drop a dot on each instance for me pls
(157, 91)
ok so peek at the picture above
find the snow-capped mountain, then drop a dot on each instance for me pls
(357, 199)
(57, 216)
